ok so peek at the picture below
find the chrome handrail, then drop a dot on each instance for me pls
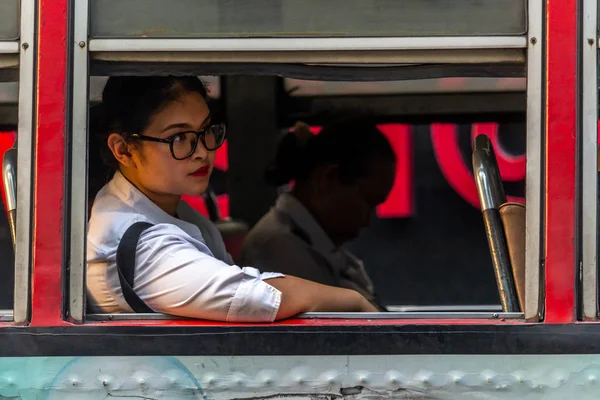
(487, 176)
(492, 196)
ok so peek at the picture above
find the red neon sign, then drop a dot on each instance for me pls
(452, 164)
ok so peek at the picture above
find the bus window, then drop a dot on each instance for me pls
(17, 101)
(426, 244)
(428, 109)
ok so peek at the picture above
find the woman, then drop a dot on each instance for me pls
(158, 136)
(340, 176)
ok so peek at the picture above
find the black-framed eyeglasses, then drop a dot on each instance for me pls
(183, 144)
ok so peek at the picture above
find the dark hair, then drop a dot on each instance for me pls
(128, 105)
(350, 144)
(130, 102)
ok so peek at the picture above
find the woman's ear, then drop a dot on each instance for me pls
(120, 149)
(327, 178)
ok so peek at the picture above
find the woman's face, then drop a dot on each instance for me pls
(348, 208)
(155, 169)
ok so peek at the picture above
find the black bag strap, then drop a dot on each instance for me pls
(126, 265)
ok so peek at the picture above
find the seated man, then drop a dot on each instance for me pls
(339, 177)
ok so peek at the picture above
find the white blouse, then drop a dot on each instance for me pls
(181, 268)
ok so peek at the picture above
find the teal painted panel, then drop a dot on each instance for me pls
(302, 377)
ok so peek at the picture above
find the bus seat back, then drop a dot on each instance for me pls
(234, 233)
(513, 221)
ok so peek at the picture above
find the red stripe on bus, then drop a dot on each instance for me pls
(561, 122)
(314, 322)
(48, 212)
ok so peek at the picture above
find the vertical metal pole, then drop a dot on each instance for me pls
(78, 157)
(589, 137)
(536, 42)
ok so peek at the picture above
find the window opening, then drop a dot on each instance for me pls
(426, 243)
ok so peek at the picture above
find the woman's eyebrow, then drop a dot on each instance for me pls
(173, 126)
(185, 124)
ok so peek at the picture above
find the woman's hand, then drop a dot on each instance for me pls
(368, 306)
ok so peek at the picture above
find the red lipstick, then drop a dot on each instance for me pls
(202, 171)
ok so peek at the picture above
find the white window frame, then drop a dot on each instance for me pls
(357, 50)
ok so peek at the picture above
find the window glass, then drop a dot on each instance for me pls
(9, 11)
(301, 18)
(8, 121)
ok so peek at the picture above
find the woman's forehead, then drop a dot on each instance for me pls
(188, 110)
